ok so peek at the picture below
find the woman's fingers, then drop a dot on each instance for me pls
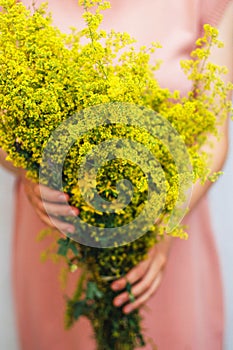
(48, 211)
(153, 272)
(132, 276)
(144, 283)
(52, 208)
(46, 206)
(55, 223)
(59, 209)
(50, 195)
(144, 278)
(41, 192)
(145, 296)
(50, 203)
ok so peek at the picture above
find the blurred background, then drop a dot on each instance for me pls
(221, 208)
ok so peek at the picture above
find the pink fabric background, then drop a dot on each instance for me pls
(187, 311)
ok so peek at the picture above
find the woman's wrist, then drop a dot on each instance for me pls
(9, 166)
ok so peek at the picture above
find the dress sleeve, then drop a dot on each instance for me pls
(212, 11)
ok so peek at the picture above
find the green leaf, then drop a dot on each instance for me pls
(92, 291)
(129, 290)
(79, 309)
(73, 247)
(63, 246)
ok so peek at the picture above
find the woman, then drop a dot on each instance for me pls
(180, 281)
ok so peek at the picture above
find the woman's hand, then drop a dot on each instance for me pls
(145, 278)
(48, 204)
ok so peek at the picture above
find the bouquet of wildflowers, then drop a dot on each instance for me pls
(83, 113)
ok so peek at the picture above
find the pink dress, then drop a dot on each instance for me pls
(186, 313)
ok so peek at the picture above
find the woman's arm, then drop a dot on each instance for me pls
(147, 276)
(222, 57)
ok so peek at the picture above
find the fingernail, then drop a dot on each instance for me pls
(118, 302)
(70, 229)
(115, 286)
(73, 212)
(62, 197)
(127, 310)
